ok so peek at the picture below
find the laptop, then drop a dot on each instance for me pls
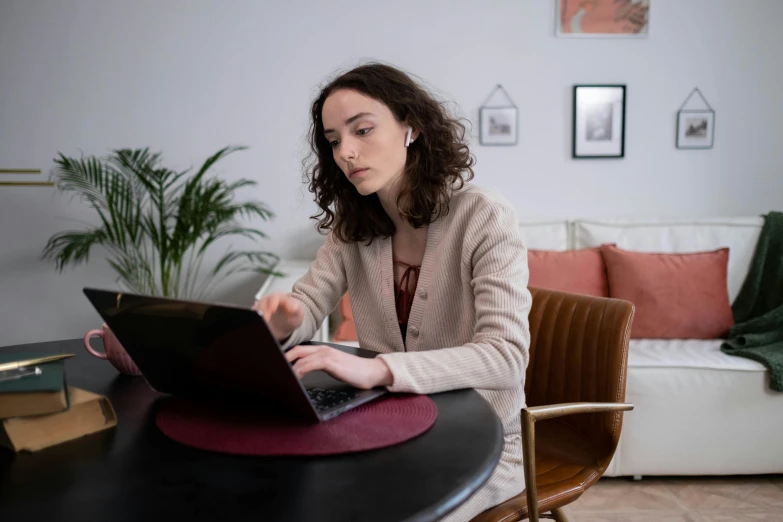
(218, 352)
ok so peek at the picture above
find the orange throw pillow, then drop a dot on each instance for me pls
(677, 296)
(346, 330)
(575, 271)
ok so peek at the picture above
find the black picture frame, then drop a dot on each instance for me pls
(591, 132)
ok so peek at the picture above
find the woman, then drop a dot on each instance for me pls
(435, 268)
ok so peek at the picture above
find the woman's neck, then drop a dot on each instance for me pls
(403, 229)
(388, 199)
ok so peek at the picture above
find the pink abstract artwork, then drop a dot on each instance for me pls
(603, 17)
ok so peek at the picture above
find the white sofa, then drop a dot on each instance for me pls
(697, 410)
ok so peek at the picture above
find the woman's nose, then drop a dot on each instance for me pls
(347, 150)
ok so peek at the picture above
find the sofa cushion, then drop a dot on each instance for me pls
(739, 234)
(702, 354)
(545, 235)
(576, 271)
(697, 411)
(677, 296)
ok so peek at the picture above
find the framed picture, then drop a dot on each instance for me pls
(695, 129)
(498, 123)
(603, 18)
(598, 121)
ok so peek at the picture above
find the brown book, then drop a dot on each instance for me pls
(88, 413)
(32, 403)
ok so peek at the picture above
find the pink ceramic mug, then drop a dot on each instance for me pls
(112, 351)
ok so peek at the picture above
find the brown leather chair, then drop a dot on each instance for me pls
(578, 362)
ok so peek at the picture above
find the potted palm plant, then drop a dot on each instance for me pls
(157, 224)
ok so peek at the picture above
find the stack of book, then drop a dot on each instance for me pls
(38, 409)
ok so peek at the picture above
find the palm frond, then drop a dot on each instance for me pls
(85, 177)
(135, 272)
(240, 261)
(228, 231)
(258, 259)
(255, 208)
(72, 247)
(132, 165)
(222, 153)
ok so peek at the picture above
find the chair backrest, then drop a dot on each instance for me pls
(579, 353)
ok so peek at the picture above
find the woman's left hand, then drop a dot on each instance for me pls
(357, 371)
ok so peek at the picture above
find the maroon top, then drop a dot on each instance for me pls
(403, 294)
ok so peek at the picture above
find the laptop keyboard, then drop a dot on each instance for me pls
(325, 399)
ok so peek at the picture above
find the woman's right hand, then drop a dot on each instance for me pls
(282, 313)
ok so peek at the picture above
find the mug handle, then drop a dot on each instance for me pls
(90, 335)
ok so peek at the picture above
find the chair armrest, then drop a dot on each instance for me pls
(569, 408)
(536, 413)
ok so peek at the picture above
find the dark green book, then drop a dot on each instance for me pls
(33, 395)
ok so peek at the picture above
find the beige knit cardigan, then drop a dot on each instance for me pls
(468, 325)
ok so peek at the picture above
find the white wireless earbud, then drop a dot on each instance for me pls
(408, 137)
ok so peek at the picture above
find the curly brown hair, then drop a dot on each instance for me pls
(437, 161)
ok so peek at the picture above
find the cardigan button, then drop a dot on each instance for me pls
(423, 294)
(413, 331)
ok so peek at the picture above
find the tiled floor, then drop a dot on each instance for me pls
(681, 499)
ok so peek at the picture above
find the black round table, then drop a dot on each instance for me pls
(135, 473)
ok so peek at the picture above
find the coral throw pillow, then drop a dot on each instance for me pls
(346, 329)
(575, 271)
(677, 296)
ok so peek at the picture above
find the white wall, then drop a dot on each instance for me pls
(188, 77)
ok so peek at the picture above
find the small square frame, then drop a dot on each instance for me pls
(493, 120)
(684, 141)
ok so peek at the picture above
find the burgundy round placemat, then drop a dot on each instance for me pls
(390, 420)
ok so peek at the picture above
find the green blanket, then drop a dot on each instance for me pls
(758, 309)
